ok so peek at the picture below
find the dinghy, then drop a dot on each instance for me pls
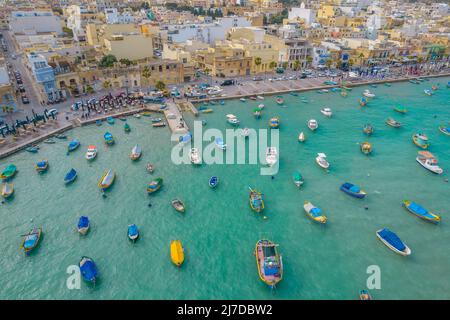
(232, 119)
(195, 156)
(421, 212)
(260, 97)
(109, 139)
(49, 141)
(74, 144)
(445, 130)
(245, 132)
(155, 185)
(61, 136)
(314, 213)
(269, 262)
(213, 181)
(136, 153)
(313, 124)
(421, 140)
(366, 148)
(126, 127)
(98, 122)
(322, 161)
(362, 101)
(326, 112)
(150, 167)
(110, 120)
(279, 100)
(133, 232)
(176, 252)
(107, 179)
(428, 92)
(31, 240)
(393, 123)
(271, 156)
(185, 138)
(368, 129)
(70, 176)
(353, 190)
(7, 190)
(137, 115)
(91, 153)
(256, 200)
(301, 137)
(88, 269)
(393, 242)
(400, 109)
(178, 205)
(274, 123)
(83, 225)
(368, 94)
(261, 106)
(257, 113)
(9, 172)
(429, 162)
(220, 144)
(297, 179)
(41, 166)
(33, 149)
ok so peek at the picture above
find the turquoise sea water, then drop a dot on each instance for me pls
(219, 231)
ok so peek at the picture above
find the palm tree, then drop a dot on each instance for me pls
(296, 65)
(146, 74)
(107, 85)
(160, 85)
(309, 60)
(328, 63)
(258, 62)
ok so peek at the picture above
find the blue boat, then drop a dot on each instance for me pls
(110, 120)
(33, 149)
(353, 190)
(213, 181)
(421, 212)
(109, 139)
(222, 102)
(393, 242)
(220, 144)
(70, 176)
(83, 225)
(31, 240)
(73, 145)
(98, 122)
(88, 269)
(133, 232)
(186, 138)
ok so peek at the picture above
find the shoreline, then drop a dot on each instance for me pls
(155, 108)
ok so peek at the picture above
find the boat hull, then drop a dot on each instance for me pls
(433, 218)
(176, 252)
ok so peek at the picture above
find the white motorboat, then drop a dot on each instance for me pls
(368, 94)
(326, 112)
(215, 91)
(261, 106)
(301, 137)
(220, 144)
(195, 156)
(245, 132)
(232, 119)
(91, 153)
(313, 124)
(271, 156)
(322, 161)
(260, 97)
(429, 162)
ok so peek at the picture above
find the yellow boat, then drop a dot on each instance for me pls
(107, 179)
(7, 190)
(176, 252)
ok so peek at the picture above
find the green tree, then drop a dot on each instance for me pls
(296, 65)
(309, 60)
(107, 85)
(68, 32)
(285, 65)
(328, 63)
(146, 74)
(258, 62)
(160, 85)
(108, 61)
(272, 65)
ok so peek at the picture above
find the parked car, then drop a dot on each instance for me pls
(257, 78)
(21, 88)
(54, 111)
(25, 99)
(227, 82)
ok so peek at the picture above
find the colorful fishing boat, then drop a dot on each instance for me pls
(421, 212)
(274, 123)
(279, 100)
(178, 205)
(31, 240)
(98, 123)
(136, 153)
(41, 166)
(155, 185)
(297, 178)
(91, 153)
(70, 176)
(445, 130)
(428, 92)
(271, 156)
(353, 190)
(257, 113)
(176, 252)
(314, 213)
(421, 140)
(8, 172)
(269, 262)
(400, 109)
(362, 101)
(109, 139)
(126, 127)
(110, 120)
(133, 232)
(32, 149)
(7, 190)
(321, 160)
(107, 179)
(256, 200)
(393, 123)
(429, 162)
(366, 147)
(364, 295)
(368, 94)
(213, 181)
(313, 125)
(73, 145)
(195, 157)
(83, 225)
(393, 242)
(326, 112)
(232, 119)
(88, 269)
(368, 129)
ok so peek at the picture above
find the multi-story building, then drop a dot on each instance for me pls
(7, 101)
(33, 22)
(131, 46)
(44, 76)
(224, 60)
(77, 19)
(113, 16)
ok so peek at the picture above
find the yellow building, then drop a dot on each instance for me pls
(97, 33)
(131, 46)
(326, 11)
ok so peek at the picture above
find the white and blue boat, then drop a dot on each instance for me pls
(393, 242)
(70, 176)
(185, 138)
(133, 232)
(109, 139)
(83, 225)
(32, 149)
(353, 190)
(73, 145)
(220, 144)
(421, 212)
(88, 269)
(110, 120)
(98, 122)
(213, 181)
